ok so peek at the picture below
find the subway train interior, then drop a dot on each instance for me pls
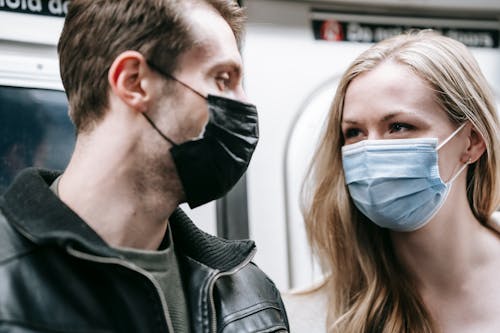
(294, 53)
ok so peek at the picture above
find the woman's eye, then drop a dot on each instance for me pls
(351, 133)
(400, 127)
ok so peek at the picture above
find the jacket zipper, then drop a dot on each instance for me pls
(219, 275)
(105, 260)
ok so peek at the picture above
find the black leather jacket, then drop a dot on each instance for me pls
(58, 275)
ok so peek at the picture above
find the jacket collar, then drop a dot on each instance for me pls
(214, 252)
(36, 212)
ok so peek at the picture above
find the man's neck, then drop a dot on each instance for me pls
(117, 197)
(115, 214)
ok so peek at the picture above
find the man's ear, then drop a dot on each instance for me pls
(126, 79)
(475, 144)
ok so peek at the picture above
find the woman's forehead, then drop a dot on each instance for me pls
(387, 89)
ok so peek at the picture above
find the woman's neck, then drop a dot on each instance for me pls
(444, 254)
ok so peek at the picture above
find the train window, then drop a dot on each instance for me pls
(35, 130)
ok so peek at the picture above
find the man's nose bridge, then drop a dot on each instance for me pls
(240, 95)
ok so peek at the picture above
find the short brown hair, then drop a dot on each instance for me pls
(96, 31)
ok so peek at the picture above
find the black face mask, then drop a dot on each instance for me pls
(210, 166)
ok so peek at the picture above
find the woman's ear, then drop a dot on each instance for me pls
(126, 79)
(475, 145)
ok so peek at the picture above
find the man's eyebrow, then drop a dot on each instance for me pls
(231, 63)
(208, 51)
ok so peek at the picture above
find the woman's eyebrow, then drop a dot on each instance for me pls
(349, 121)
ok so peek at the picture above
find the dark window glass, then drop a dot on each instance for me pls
(35, 130)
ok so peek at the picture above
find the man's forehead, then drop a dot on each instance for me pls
(208, 27)
(214, 43)
(209, 52)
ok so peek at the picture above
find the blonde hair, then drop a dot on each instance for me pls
(368, 290)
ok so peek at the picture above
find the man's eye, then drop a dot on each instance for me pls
(400, 127)
(222, 81)
(221, 84)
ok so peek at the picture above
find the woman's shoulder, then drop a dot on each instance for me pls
(494, 221)
(307, 309)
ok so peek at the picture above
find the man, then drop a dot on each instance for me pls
(154, 89)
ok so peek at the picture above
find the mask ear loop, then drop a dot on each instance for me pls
(462, 168)
(158, 130)
(171, 77)
(452, 135)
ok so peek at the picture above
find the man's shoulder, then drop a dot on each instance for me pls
(12, 243)
(252, 281)
(21, 196)
(250, 295)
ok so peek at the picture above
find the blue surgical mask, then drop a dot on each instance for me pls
(396, 183)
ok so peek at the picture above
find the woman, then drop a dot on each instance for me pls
(405, 184)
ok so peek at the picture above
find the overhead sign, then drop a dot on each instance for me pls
(58, 8)
(330, 29)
